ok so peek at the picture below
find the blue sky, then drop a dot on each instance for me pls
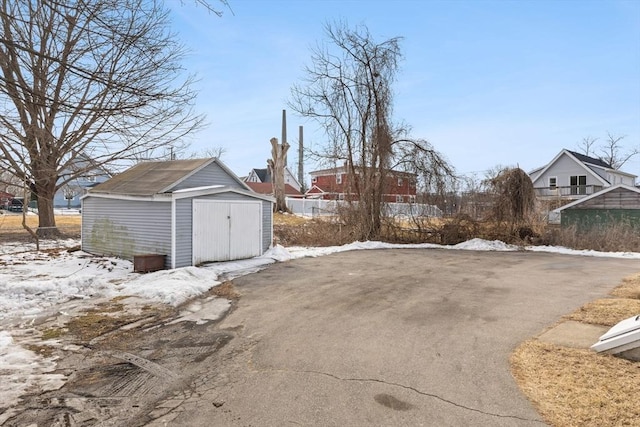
(486, 82)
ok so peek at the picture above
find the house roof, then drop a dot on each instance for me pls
(262, 174)
(343, 169)
(149, 178)
(267, 188)
(590, 160)
(315, 190)
(598, 194)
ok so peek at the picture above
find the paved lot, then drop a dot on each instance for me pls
(384, 337)
(401, 337)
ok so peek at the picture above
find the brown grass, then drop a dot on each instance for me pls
(226, 290)
(614, 238)
(606, 311)
(578, 387)
(630, 288)
(15, 221)
(11, 226)
(282, 219)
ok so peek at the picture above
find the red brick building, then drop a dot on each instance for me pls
(334, 184)
(267, 188)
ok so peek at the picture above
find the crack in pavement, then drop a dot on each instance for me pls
(415, 390)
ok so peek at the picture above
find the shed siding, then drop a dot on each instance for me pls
(267, 225)
(585, 219)
(210, 175)
(618, 198)
(184, 217)
(125, 228)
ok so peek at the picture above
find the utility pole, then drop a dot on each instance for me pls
(284, 132)
(301, 160)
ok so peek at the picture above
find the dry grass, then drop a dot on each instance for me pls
(15, 221)
(578, 387)
(282, 219)
(104, 318)
(226, 290)
(606, 311)
(314, 232)
(614, 238)
(630, 288)
(11, 226)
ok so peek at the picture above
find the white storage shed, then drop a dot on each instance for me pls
(189, 211)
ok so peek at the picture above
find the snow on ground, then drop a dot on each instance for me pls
(36, 283)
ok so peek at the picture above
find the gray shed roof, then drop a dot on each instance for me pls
(149, 178)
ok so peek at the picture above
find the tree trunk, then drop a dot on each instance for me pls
(45, 191)
(279, 154)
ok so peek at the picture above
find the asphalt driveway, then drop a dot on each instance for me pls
(365, 338)
(388, 337)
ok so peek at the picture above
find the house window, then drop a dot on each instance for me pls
(399, 198)
(314, 179)
(399, 182)
(412, 199)
(339, 178)
(578, 184)
(553, 182)
(341, 196)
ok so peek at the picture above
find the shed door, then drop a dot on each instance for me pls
(224, 231)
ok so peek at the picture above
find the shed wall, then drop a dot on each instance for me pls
(619, 198)
(585, 219)
(125, 228)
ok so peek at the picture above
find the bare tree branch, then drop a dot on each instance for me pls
(79, 79)
(348, 90)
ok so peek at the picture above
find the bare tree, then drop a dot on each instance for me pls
(514, 197)
(98, 79)
(587, 144)
(612, 151)
(348, 89)
(216, 152)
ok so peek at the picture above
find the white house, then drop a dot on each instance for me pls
(571, 176)
(264, 176)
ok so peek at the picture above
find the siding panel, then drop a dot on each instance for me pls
(619, 198)
(184, 232)
(586, 219)
(126, 228)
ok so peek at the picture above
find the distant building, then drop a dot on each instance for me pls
(5, 198)
(571, 176)
(267, 188)
(264, 176)
(68, 196)
(335, 184)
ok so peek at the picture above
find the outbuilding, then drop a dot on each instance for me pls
(619, 204)
(187, 211)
